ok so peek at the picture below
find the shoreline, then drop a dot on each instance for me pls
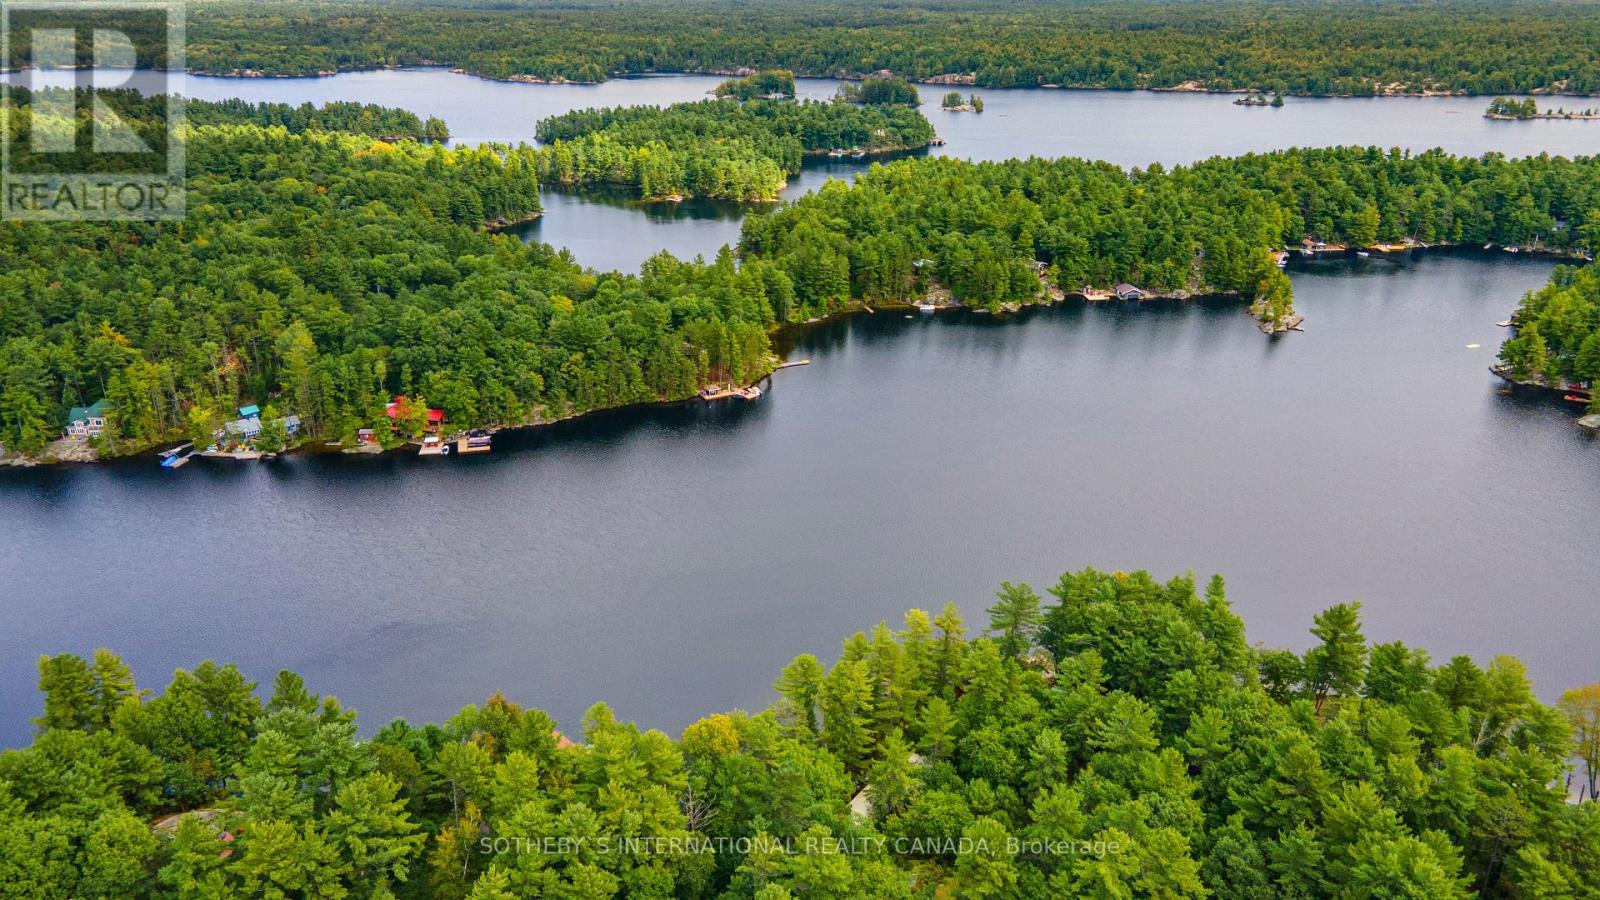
(943, 80)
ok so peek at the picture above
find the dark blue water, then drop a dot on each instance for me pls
(670, 560)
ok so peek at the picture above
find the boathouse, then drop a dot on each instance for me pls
(87, 421)
(1126, 291)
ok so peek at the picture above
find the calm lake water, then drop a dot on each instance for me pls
(1127, 128)
(670, 560)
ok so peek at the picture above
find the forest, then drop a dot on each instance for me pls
(1346, 47)
(715, 148)
(382, 122)
(1115, 737)
(321, 273)
(326, 272)
(1557, 341)
(772, 84)
(989, 232)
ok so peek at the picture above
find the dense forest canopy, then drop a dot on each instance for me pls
(1343, 47)
(1558, 333)
(1116, 737)
(715, 148)
(770, 84)
(326, 272)
(320, 273)
(982, 230)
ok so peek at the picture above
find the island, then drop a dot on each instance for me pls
(1275, 102)
(953, 102)
(1528, 108)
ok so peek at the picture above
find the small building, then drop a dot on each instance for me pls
(243, 429)
(87, 421)
(365, 436)
(250, 412)
(249, 428)
(399, 409)
(1126, 291)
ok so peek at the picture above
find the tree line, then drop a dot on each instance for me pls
(770, 84)
(1000, 234)
(327, 272)
(1558, 333)
(715, 148)
(1356, 48)
(1115, 737)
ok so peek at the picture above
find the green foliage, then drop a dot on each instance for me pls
(1476, 46)
(1145, 755)
(990, 232)
(1558, 331)
(771, 84)
(326, 272)
(880, 90)
(714, 148)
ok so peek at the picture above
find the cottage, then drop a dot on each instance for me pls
(243, 429)
(400, 408)
(248, 428)
(87, 421)
(250, 412)
(1126, 291)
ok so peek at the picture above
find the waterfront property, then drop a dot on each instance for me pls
(399, 410)
(1125, 291)
(85, 422)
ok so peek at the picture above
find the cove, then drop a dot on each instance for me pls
(669, 560)
(1128, 128)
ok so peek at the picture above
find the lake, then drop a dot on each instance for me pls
(1129, 128)
(670, 560)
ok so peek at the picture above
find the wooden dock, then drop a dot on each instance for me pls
(792, 363)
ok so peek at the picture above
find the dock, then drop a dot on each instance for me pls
(792, 363)
(726, 393)
(242, 455)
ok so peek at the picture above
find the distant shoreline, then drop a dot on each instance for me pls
(1187, 87)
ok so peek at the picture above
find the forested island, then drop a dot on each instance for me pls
(1002, 235)
(1116, 737)
(953, 102)
(1342, 48)
(321, 274)
(715, 148)
(772, 84)
(1557, 340)
(1528, 108)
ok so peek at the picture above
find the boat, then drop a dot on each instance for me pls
(926, 307)
(1363, 254)
(175, 457)
(1574, 398)
(836, 153)
(859, 154)
(1488, 246)
(475, 441)
(1513, 249)
(1506, 324)
(752, 392)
